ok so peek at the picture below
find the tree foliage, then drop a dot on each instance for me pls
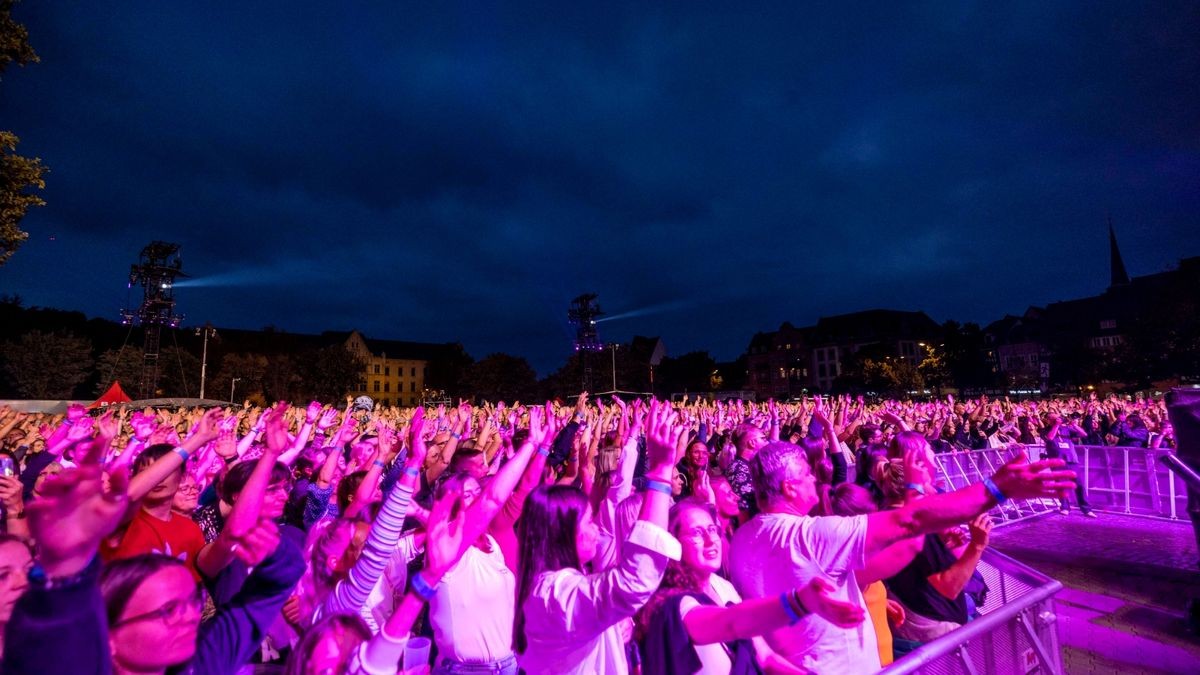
(20, 177)
(328, 374)
(500, 377)
(47, 365)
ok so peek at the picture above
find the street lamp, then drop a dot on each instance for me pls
(613, 348)
(207, 330)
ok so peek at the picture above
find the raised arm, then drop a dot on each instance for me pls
(1018, 479)
(351, 593)
(708, 624)
(141, 484)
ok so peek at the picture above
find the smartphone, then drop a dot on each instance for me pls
(7, 468)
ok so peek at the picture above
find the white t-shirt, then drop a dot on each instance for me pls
(573, 620)
(776, 552)
(714, 658)
(473, 609)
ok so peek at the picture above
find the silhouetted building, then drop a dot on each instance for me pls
(1065, 344)
(791, 361)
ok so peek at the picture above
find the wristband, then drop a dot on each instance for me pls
(422, 587)
(660, 486)
(412, 471)
(544, 450)
(38, 578)
(919, 489)
(456, 436)
(991, 486)
(181, 452)
(787, 607)
(380, 464)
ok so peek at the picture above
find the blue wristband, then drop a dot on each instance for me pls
(660, 486)
(412, 471)
(543, 450)
(995, 490)
(181, 452)
(380, 464)
(919, 489)
(787, 607)
(456, 436)
(422, 587)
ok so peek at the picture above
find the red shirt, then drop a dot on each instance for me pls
(178, 537)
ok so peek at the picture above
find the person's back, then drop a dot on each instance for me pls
(775, 552)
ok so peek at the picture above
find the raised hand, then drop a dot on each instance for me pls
(539, 426)
(444, 543)
(11, 495)
(817, 597)
(981, 530)
(328, 420)
(258, 543)
(312, 412)
(662, 438)
(80, 430)
(1018, 479)
(210, 425)
(276, 432)
(416, 439)
(74, 511)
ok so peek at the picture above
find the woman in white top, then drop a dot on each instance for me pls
(696, 607)
(472, 609)
(568, 621)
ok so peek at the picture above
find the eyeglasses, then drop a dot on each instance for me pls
(172, 612)
(702, 533)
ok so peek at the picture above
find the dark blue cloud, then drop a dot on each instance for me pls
(459, 172)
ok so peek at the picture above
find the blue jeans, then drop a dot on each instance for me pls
(504, 666)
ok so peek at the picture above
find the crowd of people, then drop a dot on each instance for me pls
(586, 537)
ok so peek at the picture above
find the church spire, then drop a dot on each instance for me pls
(1119, 276)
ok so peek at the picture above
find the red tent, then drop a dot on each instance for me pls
(113, 396)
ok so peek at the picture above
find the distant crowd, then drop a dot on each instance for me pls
(589, 536)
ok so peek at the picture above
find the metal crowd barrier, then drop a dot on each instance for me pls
(1115, 479)
(1017, 632)
(1133, 481)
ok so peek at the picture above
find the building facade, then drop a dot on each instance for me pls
(793, 361)
(396, 372)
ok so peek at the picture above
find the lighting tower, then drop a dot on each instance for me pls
(156, 271)
(583, 313)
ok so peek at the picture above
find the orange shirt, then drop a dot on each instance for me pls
(875, 596)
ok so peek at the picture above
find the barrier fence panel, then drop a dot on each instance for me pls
(1115, 479)
(960, 469)
(1132, 481)
(1016, 634)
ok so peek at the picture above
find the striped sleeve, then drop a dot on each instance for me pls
(351, 593)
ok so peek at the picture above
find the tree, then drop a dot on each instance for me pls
(691, 372)
(249, 369)
(500, 377)
(47, 365)
(328, 374)
(19, 176)
(178, 373)
(892, 376)
(120, 365)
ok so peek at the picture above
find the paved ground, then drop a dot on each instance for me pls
(1127, 581)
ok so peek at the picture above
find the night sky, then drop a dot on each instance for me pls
(452, 172)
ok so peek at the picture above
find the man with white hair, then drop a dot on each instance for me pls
(784, 548)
